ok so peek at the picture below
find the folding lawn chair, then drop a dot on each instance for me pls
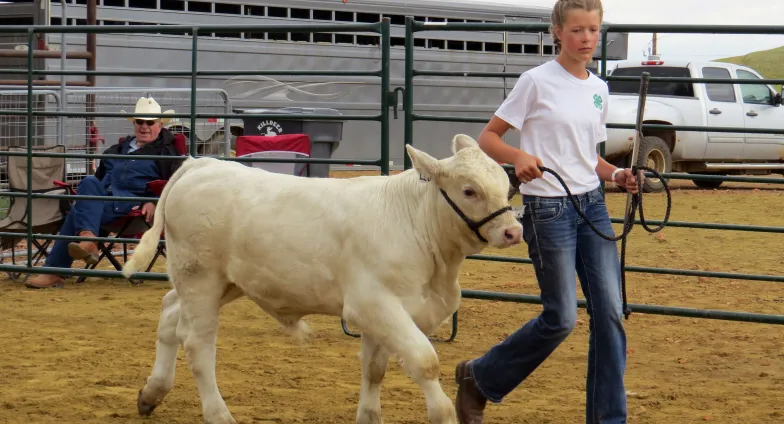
(285, 146)
(133, 225)
(47, 214)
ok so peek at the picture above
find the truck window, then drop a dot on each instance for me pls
(719, 92)
(677, 89)
(753, 93)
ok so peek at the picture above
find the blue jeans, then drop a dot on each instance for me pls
(561, 244)
(85, 215)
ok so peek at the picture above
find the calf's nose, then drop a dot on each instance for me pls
(513, 236)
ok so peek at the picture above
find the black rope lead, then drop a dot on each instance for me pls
(628, 220)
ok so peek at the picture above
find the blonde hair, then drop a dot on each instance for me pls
(562, 7)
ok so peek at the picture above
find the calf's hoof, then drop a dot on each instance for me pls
(144, 408)
(445, 419)
(221, 420)
(369, 416)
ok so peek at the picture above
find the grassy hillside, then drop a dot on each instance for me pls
(766, 62)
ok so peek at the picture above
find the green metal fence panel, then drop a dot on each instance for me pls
(387, 100)
(413, 26)
(383, 73)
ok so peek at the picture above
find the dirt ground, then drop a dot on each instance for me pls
(80, 354)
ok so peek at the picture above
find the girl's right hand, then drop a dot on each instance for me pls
(527, 167)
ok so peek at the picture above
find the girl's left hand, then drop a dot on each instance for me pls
(627, 180)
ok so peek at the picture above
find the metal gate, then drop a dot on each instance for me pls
(413, 26)
(31, 112)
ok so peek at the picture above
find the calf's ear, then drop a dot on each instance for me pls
(427, 165)
(462, 141)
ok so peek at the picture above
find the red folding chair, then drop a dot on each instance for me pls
(133, 225)
(285, 146)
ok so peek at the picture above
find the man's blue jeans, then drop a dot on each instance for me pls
(562, 246)
(85, 215)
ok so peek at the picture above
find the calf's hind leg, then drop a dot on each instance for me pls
(198, 333)
(161, 380)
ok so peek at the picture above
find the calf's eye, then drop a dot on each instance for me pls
(469, 192)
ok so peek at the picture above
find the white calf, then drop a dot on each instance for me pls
(382, 252)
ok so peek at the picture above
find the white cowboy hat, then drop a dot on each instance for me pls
(148, 105)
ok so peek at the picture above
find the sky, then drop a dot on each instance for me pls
(697, 12)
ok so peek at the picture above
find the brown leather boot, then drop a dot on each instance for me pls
(469, 403)
(45, 281)
(85, 250)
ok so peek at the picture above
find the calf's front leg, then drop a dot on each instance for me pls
(383, 318)
(374, 365)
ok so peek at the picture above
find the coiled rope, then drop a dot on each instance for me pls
(628, 220)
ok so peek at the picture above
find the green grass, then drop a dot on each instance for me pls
(5, 203)
(766, 62)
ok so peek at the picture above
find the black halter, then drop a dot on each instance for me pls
(473, 225)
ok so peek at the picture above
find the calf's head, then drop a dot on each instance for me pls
(476, 187)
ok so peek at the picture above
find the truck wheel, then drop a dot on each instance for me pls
(708, 183)
(654, 154)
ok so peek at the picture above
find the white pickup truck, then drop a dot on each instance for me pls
(699, 104)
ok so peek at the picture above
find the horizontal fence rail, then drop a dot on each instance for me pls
(192, 29)
(646, 309)
(185, 73)
(477, 120)
(417, 73)
(652, 270)
(413, 26)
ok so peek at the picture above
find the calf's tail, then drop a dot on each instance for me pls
(148, 244)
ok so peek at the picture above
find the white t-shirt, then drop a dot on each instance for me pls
(561, 120)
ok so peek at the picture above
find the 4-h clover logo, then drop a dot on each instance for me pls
(597, 101)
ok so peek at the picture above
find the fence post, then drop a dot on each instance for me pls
(408, 94)
(194, 65)
(385, 93)
(30, 46)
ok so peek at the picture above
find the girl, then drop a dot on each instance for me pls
(560, 109)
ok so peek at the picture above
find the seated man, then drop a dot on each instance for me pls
(114, 177)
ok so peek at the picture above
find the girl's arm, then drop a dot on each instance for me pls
(490, 141)
(605, 170)
(526, 165)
